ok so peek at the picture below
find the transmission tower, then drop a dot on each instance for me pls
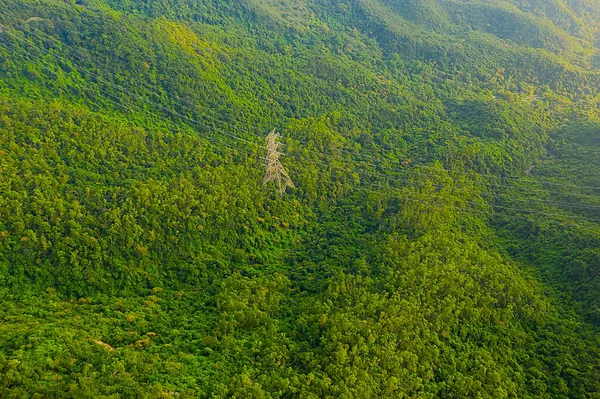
(275, 170)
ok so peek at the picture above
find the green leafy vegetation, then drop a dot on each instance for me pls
(442, 240)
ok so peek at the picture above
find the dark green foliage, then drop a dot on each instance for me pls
(442, 240)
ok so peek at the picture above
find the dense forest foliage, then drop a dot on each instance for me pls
(442, 239)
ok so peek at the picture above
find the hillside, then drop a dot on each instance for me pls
(442, 239)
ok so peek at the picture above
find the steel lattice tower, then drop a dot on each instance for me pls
(275, 170)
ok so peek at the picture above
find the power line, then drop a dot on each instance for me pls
(506, 186)
(413, 171)
(77, 54)
(522, 210)
(360, 155)
(119, 104)
(175, 113)
(237, 137)
(408, 196)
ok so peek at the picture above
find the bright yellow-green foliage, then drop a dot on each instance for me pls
(442, 241)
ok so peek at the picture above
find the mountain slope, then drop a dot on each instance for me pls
(440, 241)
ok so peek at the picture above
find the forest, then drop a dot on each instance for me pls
(441, 240)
